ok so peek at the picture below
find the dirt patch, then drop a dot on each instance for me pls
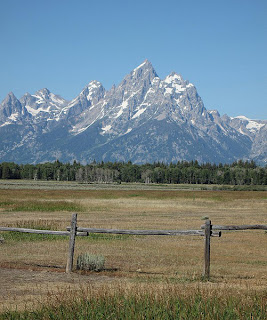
(22, 288)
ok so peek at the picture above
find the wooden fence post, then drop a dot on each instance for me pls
(71, 243)
(208, 227)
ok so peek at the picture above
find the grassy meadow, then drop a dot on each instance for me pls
(145, 277)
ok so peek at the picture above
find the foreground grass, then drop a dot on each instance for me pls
(166, 303)
(35, 264)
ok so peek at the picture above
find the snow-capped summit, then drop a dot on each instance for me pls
(143, 66)
(174, 78)
(44, 93)
(94, 91)
(43, 105)
(241, 117)
(89, 96)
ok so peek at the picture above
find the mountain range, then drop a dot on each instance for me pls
(143, 119)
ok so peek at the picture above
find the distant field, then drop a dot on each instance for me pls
(238, 261)
(74, 185)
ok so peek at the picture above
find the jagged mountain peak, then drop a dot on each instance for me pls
(11, 94)
(11, 110)
(10, 105)
(43, 106)
(93, 90)
(138, 79)
(144, 71)
(92, 86)
(89, 96)
(143, 119)
(214, 112)
(9, 97)
(174, 76)
(146, 64)
(45, 96)
(44, 91)
(94, 83)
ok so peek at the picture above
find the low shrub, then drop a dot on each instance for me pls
(90, 262)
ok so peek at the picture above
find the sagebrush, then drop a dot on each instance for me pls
(90, 262)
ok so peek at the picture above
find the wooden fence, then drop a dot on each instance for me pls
(206, 231)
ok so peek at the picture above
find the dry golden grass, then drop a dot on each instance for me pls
(238, 259)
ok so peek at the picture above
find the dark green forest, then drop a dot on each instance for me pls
(237, 173)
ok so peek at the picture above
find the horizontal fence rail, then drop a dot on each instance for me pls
(51, 232)
(148, 232)
(143, 232)
(240, 227)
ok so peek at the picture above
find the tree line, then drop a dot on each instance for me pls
(189, 172)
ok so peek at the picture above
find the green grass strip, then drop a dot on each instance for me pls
(30, 237)
(41, 206)
(134, 307)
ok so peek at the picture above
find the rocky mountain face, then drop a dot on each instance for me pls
(144, 119)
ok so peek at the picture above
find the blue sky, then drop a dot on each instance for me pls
(219, 46)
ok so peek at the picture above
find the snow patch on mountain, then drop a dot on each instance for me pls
(92, 89)
(241, 117)
(122, 107)
(168, 90)
(173, 77)
(254, 126)
(128, 130)
(5, 124)
(33, 111)
(106, 129)
(14, 116)
(139, 112)
(57, 100)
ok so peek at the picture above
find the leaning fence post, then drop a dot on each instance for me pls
(208, 227)
(71, 243)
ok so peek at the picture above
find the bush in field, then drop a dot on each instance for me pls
(90, 262)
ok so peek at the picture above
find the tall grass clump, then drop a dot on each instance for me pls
(90, 262)
(157, 305)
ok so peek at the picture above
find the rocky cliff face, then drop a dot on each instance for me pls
(144, 119)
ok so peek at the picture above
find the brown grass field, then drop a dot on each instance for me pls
(32, 268)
